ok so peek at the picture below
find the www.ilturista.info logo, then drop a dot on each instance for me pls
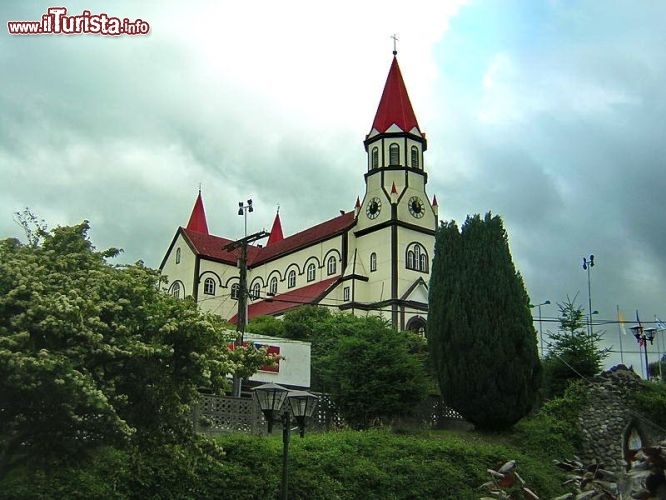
(57, 22)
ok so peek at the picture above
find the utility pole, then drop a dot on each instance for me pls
(243, 294)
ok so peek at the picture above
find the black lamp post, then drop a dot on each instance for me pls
(546, 302)
(587, 266)
(642, 336)
(276, 402)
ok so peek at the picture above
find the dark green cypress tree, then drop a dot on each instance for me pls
(480, 330)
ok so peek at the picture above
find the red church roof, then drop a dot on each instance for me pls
(292, 299)
(276, 231)
(212, 247)
(197, 222)
(394, 106)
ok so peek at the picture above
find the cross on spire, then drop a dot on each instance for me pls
(395, 43)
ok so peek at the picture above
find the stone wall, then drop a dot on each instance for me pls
(608, 418)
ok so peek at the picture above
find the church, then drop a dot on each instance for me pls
(374, 259)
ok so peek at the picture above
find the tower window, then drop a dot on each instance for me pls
(272, 289)
(346, 294)
(209, 286)
(373, 262)
(311, 272)
(291, 279)
(235, 289)
(394, 154)
(256, 291)
(417, 258)
(415, 157)
(330, 265)
(374, 161)
(178, 255)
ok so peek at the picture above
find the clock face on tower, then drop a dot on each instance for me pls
(373, 208)
(416, 207)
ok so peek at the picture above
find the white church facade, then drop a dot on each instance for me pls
(374, 259)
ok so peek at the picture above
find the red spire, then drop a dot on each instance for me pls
(197, 221)
(276, 230)
(393, 189)
(394, 106)
(434, 200)
(358, 203)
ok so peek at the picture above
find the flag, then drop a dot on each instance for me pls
(620, 321)
(659, 324)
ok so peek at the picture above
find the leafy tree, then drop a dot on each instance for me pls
(372, 376)
(372, 371)
(266, 325)
(574, 352)
(480, 331)
(94, 354)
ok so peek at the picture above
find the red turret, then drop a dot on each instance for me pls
(394, 106)
(197, 222)
(276, 231)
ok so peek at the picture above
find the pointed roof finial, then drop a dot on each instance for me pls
(276, 230)
(395, 44)
(197, 222)
(358, 203)
(434, 200)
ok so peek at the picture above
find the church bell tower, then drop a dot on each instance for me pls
(396, 220)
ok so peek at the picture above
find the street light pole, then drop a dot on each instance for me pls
(587, 266)
(642, 336)
(540, 323)
(274, 399)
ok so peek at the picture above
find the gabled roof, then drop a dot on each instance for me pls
(197, 222)
(276, 231)
(320, 232)
(310, 294)
(212, 247)
(394, 106)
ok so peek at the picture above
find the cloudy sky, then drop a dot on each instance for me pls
(548, 113)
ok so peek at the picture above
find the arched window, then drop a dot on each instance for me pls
(272, 289)
(374, 161)
(209, 286)
(175, 290)
(331, 266)
(417, 325)
(417, 258)
(394, 154)
(178, 255)
(291, 279)
(410, 259)
(235, 289)
(311, 272)
(423, 263)
(256, 291)
(373, 262)
(415, 157)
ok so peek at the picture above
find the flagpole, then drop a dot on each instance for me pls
(620, 326)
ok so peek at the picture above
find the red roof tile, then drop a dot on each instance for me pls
(197, 220)
(292, 299)
(304, 239)
(213, 246)
(394, 106)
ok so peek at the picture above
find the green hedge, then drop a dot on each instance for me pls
(376, 464)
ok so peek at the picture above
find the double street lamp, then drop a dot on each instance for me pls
(279, 403)
(643, 335)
